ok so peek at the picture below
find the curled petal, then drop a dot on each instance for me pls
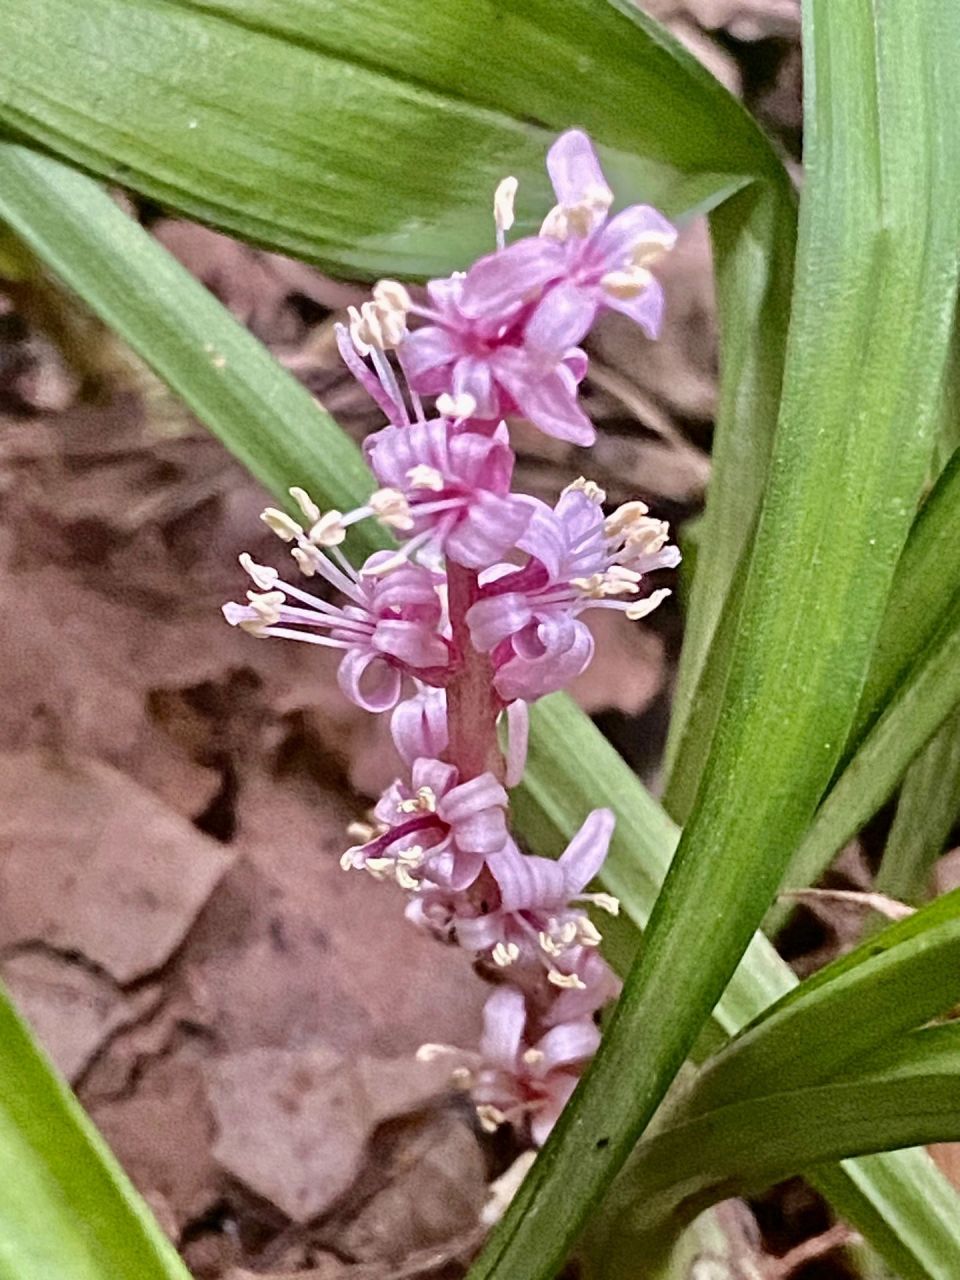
(646, 310)
(531, 674)
(614, 244)
(454, 869)
(369, 680)
(575, 171)
(435, 774)
(411, 643)
(585, 854)
(427, 349)
(496, 618)
(568, 1043)
(419, 725)
(504, 1016)
(489, 529)
(370, 383)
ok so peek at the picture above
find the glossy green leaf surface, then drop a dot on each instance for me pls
(892, 984)
(875, 289)
(364, 136)
(907, 1094)
(66, 1208)
(920, 706)
(927, 809)
(901, 1201)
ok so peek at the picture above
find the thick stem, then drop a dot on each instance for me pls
(472, 703)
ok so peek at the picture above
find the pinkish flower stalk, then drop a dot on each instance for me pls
(479, 611)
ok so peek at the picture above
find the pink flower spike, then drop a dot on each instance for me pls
(457, 486)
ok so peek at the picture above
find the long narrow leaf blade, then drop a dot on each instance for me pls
(67, 1208)
(875, 289)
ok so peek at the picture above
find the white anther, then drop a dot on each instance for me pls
(491, 1118)
(423, 477)
(305, 503)
(554, 225)
(431, 1052)
(391, 508)
(390, 295)
(503, 199)
(281, 524)
(533, 1057)
(267, 605)
(588, 487)
(594, 586)
(348, 860)
(377, 324)
(412, 857)
(568, 981)
(329, 530)
(461, 1078)
(647, 536)
(362, 832)
(626, 284)
(505, 954)
(579, 219)
(640, 610)
(588, 934)
(461, 406)
(625, 518)
(379, 868)
(425, 801)
(547, 944)
(606, 902)
(405, 880)
(263, 576)
(306, 560)
(651, 246)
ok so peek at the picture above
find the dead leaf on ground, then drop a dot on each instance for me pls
(93, 863)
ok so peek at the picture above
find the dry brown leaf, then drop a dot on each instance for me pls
(293, 1124)
(93, 863)
(629, 668)
(71, 1010)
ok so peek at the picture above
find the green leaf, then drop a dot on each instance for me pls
(362, 136)
(921, 704)
(928, 807)
(874, 294)
(897, 981)
(909, 1093)
(66, 1208)
(171, 321)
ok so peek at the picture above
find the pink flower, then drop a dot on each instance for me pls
(532, 916)
(388, 629)
(457, 487)
(484, 356)
(529, 618)
(589, 262)
(419, 725)
(435, 829)
(517, 1082)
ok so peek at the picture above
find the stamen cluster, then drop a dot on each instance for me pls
(479, 611)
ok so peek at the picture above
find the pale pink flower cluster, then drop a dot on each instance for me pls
(479, 611)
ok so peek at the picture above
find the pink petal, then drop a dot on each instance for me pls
(369, 680)
(551, 405)
(646, 309)
(575, 170)
(499, 282)
(531, 678)
(428, 348)
(472, 377)
(488, 531)
(518, 734)
(504, 1017)
(495, 619)
(411, 643)
(526, 882)
(370, 383)
(561, 319)
(586, 852)
(545, 1117)
(472, 797)
(613, 246)
(435, 774)
(568, 1043)
(455, 869)
(419, 725)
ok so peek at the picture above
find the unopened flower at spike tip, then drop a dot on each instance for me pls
(435, 827)
(456, 487)
(582, 260)
(529, 618)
